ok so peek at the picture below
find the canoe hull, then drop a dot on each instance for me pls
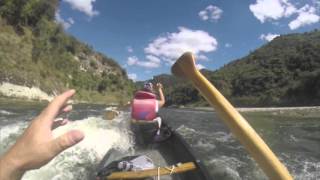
(177, 150)
(169, 152)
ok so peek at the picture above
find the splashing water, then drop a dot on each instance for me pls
(4, 112)
(9, 133)
(295, 140)
(80, 161)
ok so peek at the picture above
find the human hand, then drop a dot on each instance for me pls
(159, 86)
(37, 146)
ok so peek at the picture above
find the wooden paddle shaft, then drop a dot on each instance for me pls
(152, 172)
(258, 149)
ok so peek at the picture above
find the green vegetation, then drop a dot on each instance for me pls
(284, 72)
(35, 51)
(287, 114)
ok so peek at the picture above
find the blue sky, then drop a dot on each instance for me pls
(145, 37)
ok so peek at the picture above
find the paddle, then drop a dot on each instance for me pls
(142, 174)
(185, 67)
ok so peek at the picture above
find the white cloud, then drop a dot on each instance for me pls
(65, 23)
(167, 48)
(133, 76)
(70, 20)
(272, 10)
(129, 49)
(307, 15)
(265, 10)
(172, 45)
(148, 64)
(153, 59)
(85, 6)
(228, 45)
(212, 13)
(133, 60)
(200, 66)
(268, 37)
(201, 57)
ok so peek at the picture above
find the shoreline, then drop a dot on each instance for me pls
(12, 100)
(258, 109)
(10, 90)
(16, 93)
(266, 109)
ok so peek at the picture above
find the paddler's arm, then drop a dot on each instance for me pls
(9, 170)
(37, 146)
(162, 100)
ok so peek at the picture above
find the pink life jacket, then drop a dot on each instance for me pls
(144, 106)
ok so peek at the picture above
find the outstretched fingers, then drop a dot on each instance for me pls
(56, 105)
(63, 120)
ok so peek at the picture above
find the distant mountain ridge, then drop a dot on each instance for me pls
(36, 52)
(284, 72)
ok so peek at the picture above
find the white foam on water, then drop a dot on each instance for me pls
(226, 167)
(205, 145)
(309, 170)
(80, 161)
(8, 130)
(223, 137)
(100, 136)
(184, 130)
(110, 108)
(230, 161)
(293, 138)
(9, 134)
(4, 112)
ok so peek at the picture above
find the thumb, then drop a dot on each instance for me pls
(66, 140)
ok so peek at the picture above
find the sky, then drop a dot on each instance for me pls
(145, 37)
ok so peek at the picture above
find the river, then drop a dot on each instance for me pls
(296, 141)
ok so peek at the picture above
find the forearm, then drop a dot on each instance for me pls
(161, 95)
(9, 169)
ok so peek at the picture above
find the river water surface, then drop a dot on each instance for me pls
(296, 141)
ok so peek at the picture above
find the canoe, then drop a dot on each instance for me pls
(174, 158)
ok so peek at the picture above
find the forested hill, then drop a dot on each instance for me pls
(284, 72)
(35, 51)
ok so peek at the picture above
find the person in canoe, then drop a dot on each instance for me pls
(145, 105)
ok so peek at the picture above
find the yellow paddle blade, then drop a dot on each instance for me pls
(184, 65)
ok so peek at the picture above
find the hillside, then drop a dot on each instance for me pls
(284, 72)
(36, 52)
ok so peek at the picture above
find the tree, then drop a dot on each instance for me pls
(27, 12)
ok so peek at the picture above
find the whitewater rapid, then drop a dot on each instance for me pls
(80, 161)
(295, 141)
